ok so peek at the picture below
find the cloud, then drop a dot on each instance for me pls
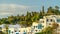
(13, 5)
(14, 9)
(11, 9)
(8, 9)
(5, 13)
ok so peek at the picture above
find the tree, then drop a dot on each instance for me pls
(54, 27)
(56, 8)
(50, 11)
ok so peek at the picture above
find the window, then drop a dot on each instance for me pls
(34, 27)
(51, 20)
(0, 27)
(47, 20)
(15, 31)
(58, 20)
(19, 30)
(36, 30)
(9, 31)
(40, 26)
(24, 33)
(43, 21)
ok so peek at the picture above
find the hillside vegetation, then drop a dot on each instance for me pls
(30, 17)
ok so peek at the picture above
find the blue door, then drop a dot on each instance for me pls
(9, 31)
(17, 33)
(24, 33)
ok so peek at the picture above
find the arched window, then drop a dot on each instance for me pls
(15, 31)
(51, 20)
(19, 30)
(43, 21)
(36, 30)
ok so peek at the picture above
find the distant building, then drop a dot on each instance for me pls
(35, 28)
(38, 27)
(53, 19)
(3, 28)
(45, 22)
(14, 29)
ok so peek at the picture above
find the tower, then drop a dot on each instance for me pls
(43, 13)
(43, 8)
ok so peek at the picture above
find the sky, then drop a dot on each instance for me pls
(15, 7)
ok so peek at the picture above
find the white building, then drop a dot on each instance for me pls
(3, 28)
(14, 29)
(45, 22)
(51, 19)
(17, 29)
(38, 27)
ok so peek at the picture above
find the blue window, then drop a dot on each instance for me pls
(24, 33)
(40, 26)
(17, 33)
(36, 26)
(9, 31)
(58, 20)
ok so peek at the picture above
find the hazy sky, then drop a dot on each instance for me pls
(14, 7)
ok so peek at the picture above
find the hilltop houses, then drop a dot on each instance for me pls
(35, 27)
(45, 22)
(53, 19)
(38, 27)
(3, 28)
(12, 29)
